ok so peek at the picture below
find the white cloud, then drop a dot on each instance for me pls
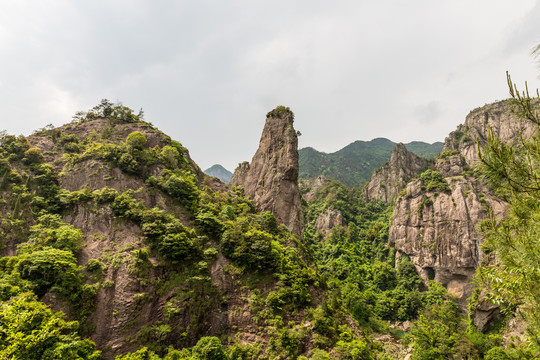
(207, 72)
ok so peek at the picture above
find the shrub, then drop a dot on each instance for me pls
(209, 348)
(33, 156)
(434, 181)
(128, 163)
(281, 112)
(50, 268)
(170, 156)
(136, 140)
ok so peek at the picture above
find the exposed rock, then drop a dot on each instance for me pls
(387, 181)
(497, 116)
(328, 220)
(438, 230)
(313, 186)
(271, 180)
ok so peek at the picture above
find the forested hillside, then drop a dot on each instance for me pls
(108, 221)
(116, 245)
(354, 164)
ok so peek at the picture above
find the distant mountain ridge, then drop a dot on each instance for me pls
(354, 164)
(220, 172)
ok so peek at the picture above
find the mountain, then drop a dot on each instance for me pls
(271, 179)
(436, 218)
(220, 172)
(388, 180)
(354, 164)
(108, 221)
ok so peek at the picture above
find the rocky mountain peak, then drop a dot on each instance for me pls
(498, 117)
(435, 221)
(392, 177)
(271, 179)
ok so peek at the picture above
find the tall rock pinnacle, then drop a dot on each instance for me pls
(387, 181)
(271, 180)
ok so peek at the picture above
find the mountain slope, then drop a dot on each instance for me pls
(220, 172)
(354, 164)
(168, 257)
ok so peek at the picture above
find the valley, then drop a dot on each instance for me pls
(116, 245)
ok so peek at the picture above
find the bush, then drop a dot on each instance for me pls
(51, 269)
(496, 353)
(209, 348)
(33, 156)
(434, 181)
(136, 140)
(170, 156)
(30, 330)
(281, 112)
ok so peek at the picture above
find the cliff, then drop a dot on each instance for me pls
(110, 221)
(435, 222)
(271, 179)
(387, 181)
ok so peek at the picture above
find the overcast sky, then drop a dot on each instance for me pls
(207, 72)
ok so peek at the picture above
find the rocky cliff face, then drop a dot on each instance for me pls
(437, 228)
(497, 116)
(387, 181)
(271, 179)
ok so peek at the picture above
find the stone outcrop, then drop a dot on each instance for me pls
(328, 220)
(497, 117)
(271, 179)
(387, 181)
(438, 229)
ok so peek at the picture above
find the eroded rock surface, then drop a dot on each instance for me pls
(328, 220)
(438, 229)
(387, 181)
(271, 179)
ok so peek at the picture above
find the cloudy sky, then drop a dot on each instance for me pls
(206, 72)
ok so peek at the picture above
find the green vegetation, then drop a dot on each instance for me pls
(357, 261)
(513, 173)
(281, 112)
(433, 181)
(354, 164)
(202, 262)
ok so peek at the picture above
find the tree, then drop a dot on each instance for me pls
(514, 172)
(136, 140)
(30, 330)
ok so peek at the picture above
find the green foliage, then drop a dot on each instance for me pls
(52, 231)
(209, 348)
(433, 181)
(50, 269)
(447, 153)
(30, 330)
(358, 263)
(355, 163)
(441, 331)
(181, 185)
(136, 140)
(513, 173)
(117, 113)
(253, 248)
(281, 112)
(32, 156)
(170, 156)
